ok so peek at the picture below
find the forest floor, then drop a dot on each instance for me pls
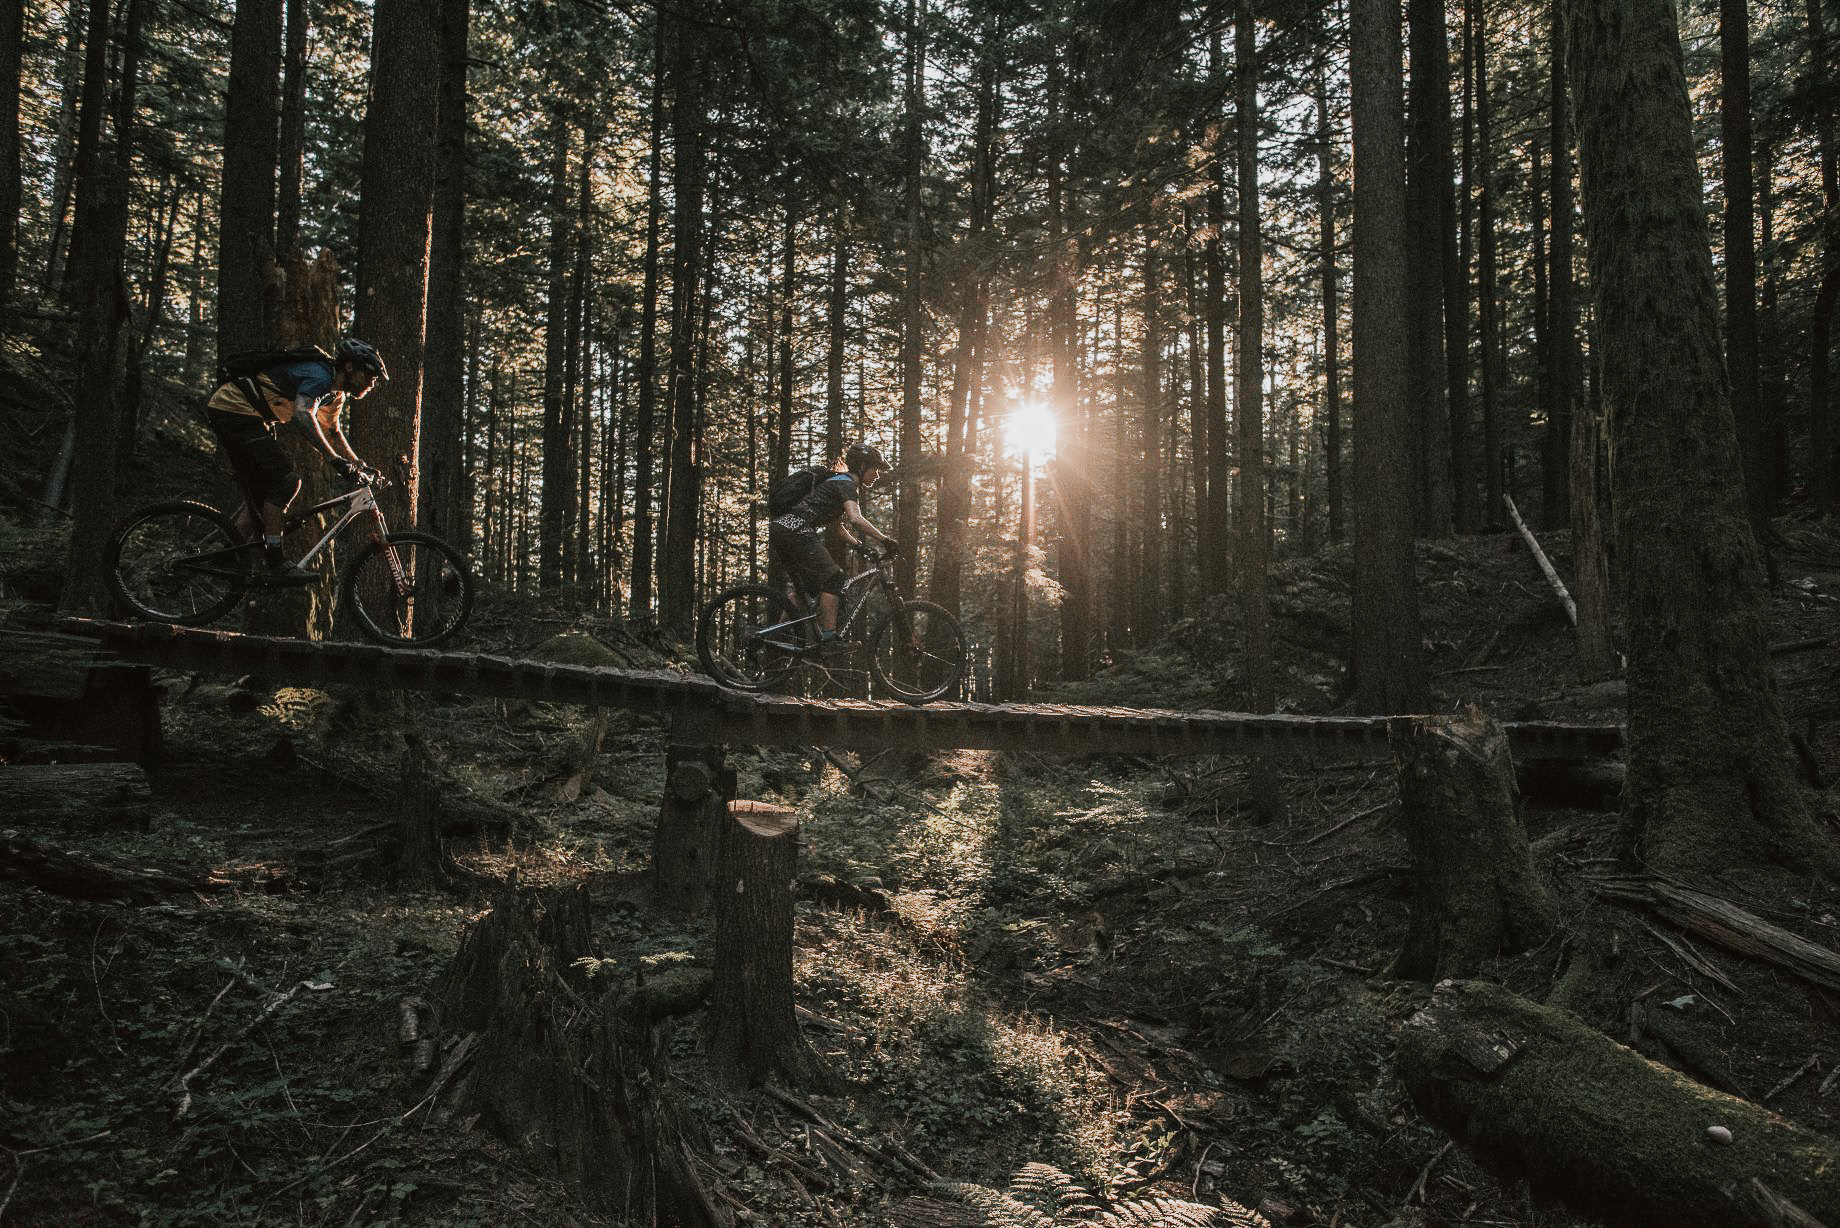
(1105, 965)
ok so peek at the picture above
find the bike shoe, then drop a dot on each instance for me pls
(287, 575)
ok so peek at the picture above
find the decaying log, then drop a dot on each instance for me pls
(1730, 926)
(84, 796)
(1537, 1093)
(690, 821)
(1474, 890)
(87, 878)
(753, 1032)
(557, 1075)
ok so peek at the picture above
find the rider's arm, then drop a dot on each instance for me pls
(853, 518)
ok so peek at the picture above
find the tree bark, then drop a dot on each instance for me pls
(246, 213)
(752, 1032)
(446, 508)
(1713, 791)
(1387, 654)
(395, 223)
(1541, 1096)
(1475, 893)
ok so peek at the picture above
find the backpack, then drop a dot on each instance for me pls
(242, 367)
(789, 491)
(247, 364)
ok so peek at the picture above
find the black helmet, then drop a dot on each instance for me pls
(860, 456)
(362, 355)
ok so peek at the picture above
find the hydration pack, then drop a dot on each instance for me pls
(789, 491)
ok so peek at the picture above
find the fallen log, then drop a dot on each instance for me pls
(84, 796)
(1730, 926)
(1538, 1094)
(64, 873)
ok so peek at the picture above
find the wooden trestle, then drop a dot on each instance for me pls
(699, 711)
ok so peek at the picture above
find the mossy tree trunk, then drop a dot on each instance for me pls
(1540, 1095)
(1713, 793)
(1474, 890)
(753, 1032)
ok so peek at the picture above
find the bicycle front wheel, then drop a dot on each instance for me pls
(411, 590)
(917, 652)
(746, 639)
(179, 562)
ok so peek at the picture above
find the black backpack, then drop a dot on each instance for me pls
(247, 364)
(789, 491)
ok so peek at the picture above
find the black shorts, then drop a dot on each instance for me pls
(257, 461)
(801, 552)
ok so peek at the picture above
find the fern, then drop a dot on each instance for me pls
(1042, 1196)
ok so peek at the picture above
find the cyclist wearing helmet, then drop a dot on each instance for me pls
(794, 539)
(243, 414)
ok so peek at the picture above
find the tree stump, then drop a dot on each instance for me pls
(420, 858)
(85, 796)
(1539, 1094)
(1474, 891)
(558, 1076)
(697, 790)
(753, 1032)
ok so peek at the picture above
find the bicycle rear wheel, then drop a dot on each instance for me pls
(736, 640)
(421, 601)
(917, 652)
(180, 562)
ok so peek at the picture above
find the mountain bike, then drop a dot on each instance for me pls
(752, 637)
(186, 563)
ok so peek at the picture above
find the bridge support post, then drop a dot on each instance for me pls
(698, 787)
(753, 1032)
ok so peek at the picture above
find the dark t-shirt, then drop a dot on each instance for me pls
(823, 507)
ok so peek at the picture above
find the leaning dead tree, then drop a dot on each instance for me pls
(560, 1075)
(1475, 894)
(1539, 1094)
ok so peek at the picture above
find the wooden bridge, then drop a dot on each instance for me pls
(699, 711)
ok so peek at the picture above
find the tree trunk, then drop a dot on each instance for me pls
(1713, 792)
(645, 429)
(1741, 253)
(698, 789)
(395, 222)
(292, 143)
(907, 508)
(1543, 1097)
(446, 510)
(1331, 314)
(677, 567)
(564, 1080)
(752, 1032)
(556, 466)
(1427, 187)
(97, 241)
(1565, 366)
(1475, 893)
(12, 49)
(1387, 665)
(246, 214)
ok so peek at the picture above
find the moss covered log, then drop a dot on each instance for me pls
(1537, 1093)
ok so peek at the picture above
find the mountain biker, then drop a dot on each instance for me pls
(243, 414)
(794, 539)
